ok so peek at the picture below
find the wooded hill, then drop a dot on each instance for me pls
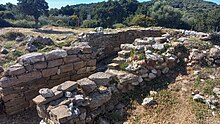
(198, 15)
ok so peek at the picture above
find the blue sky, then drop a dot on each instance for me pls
(59, 3)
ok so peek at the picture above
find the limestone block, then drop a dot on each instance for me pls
(66, 68)
(30, 76)
(68, 86)
(49, 72)
(87, 85)
(40, 65)
(101, 78)
(40, 100)
(72, 50)
(82, 70)
(98, 99)
(91, 62)
(31, 58)
(55, 54)
(61, 114)
(54, 63)
(71, 59)
(8, 81)
(79, 65)
(16, 69)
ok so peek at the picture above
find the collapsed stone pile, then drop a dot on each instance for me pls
(20, 82)
(146, 59)
(77, 102)
(34, 44)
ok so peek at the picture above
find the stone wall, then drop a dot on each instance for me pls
(21, 82)
(77, 102)
(33, 71)
(106, 44)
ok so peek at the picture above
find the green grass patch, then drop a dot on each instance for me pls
(166, 100)
(9, 45)
(123, 66)
(200, 110)
(47, 49)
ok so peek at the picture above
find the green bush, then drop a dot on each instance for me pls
(119, 25)
(58, 20)
(89, 24)
(23, 23)
(60, 23)
(12, 35)
(215, 38)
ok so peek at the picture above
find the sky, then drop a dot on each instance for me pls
(60, 3)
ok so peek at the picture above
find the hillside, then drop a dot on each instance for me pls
(197, 15)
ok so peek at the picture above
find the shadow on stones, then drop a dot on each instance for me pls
(140, 92)
(52, 31)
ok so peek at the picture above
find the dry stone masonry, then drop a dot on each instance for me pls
(145, 60)
(155, 52)
(108, 43)
(77, 102)
(21, 82)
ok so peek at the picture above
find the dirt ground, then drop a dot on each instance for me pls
(27, 117)
(166, 112)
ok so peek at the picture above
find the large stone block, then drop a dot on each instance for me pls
(87, 85)
(82, 71)
(55, 63)
(40, 65)
(72, 50)
(16, 69)
(99, 99)
(31, 58)
(66, 68)
(91, 62)
(30, 76)
(55, 54)
(71, 59)
(40, 100)
(78, 65)
(101, 78)
(8, 81)
(49, 72)
(67, 86)
(61, 114)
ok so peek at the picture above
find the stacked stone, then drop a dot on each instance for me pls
(77, 102)
(21, 82)
(107, 43)
(145, 59)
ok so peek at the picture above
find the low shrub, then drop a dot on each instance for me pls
(215, 38)
(119, 25)
(12, 35)
(24, 24)
(89, 24)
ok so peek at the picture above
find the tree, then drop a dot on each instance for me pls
(109, 13)
(33, 8)
(166, 15)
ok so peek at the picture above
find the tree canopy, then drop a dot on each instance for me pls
(34, 8)
(197, 15)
